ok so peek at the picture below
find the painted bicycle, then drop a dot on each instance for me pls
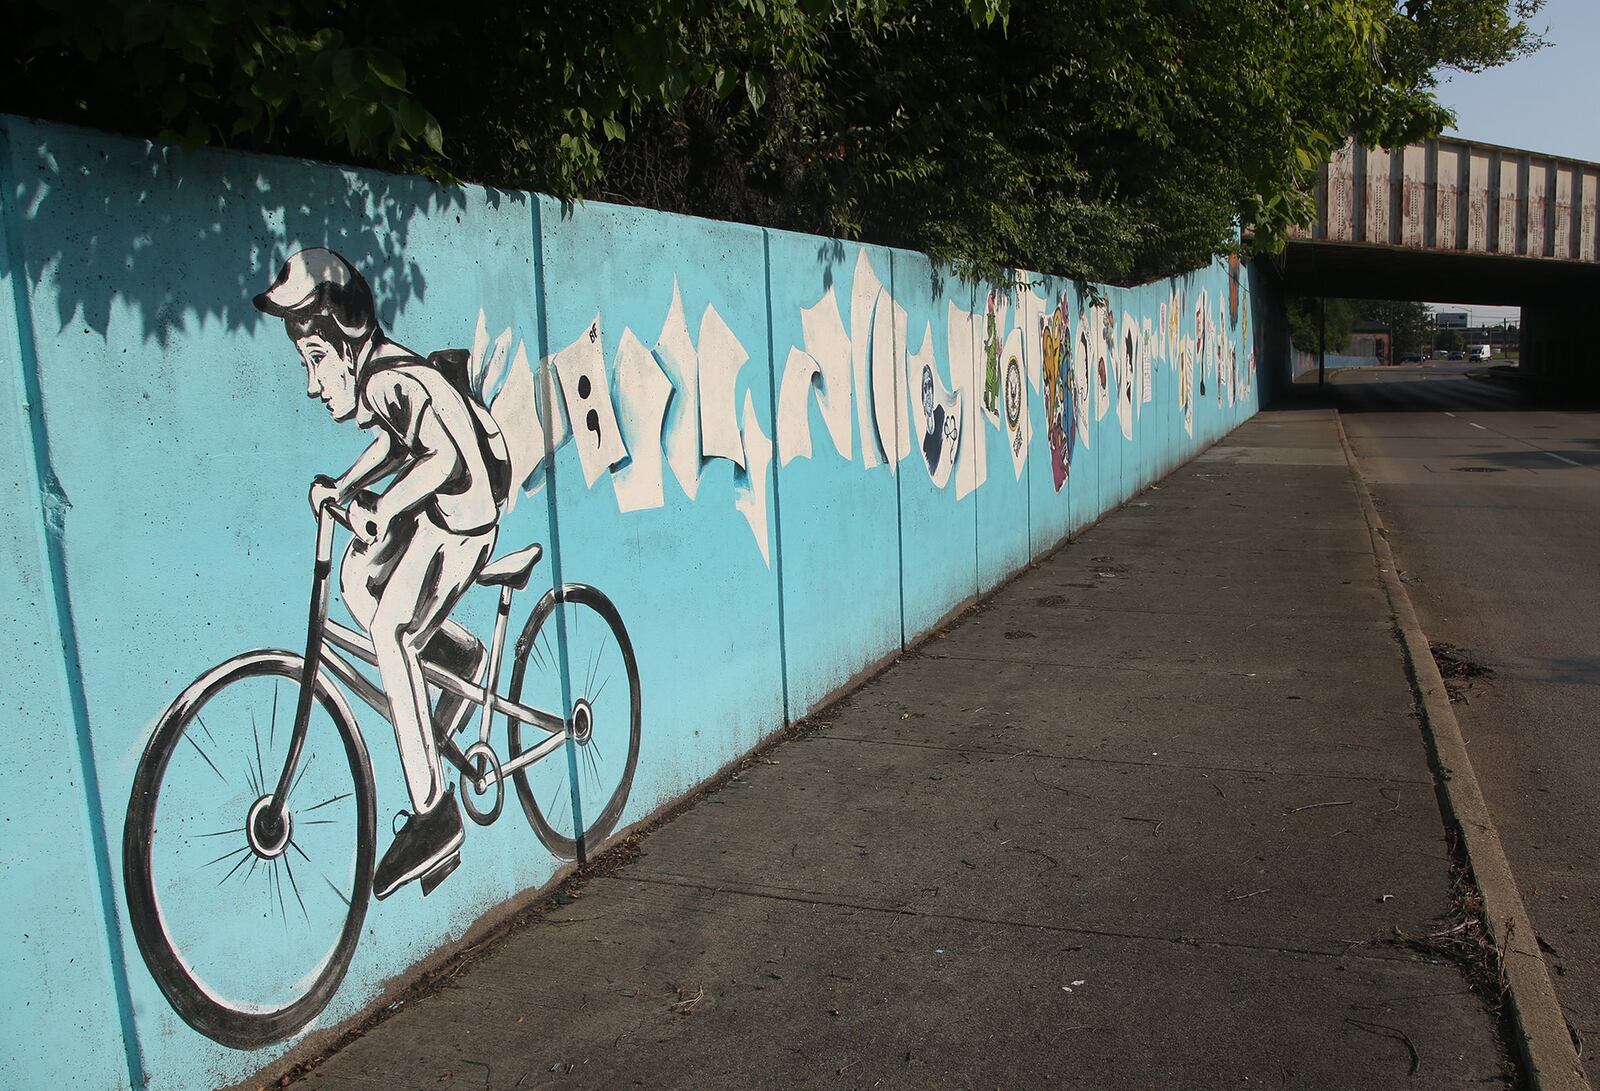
(248, 850)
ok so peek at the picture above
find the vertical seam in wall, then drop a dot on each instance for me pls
(974, 392)
(777, 501)
(56, 572)
(901, 427)
(546, 413)
(1027, 450)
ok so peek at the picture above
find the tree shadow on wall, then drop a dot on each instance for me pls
(183, 238)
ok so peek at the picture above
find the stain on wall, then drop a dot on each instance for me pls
(754, 464)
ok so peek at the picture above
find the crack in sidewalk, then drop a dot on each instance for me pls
(1344, 951)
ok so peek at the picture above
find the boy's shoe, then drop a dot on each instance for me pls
(426, 844)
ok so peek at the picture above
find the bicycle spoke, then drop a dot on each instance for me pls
(206, 756)
(235, 868)
(261, 768)
(594, 767)
(596, 698)
(206, 729)
(302, 774)
(224, 856)
(288, 867)
(336, 890)
(561, 788)
(296, 846)
(277, 881)
(272, 729)
(326, 802)
(220, 833)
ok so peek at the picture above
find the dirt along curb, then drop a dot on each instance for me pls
(1544, 1039)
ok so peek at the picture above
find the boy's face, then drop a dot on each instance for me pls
(329, 376)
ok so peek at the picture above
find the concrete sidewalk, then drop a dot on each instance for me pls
(1155, 815)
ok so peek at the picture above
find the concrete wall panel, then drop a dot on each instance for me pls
(1479, 204)
(938, 510)
(1446, 201)
(679, 533)
(61, 973)
(1538, 210)
(840, 534)
(1377, 196)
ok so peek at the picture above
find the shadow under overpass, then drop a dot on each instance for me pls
(1559, 342)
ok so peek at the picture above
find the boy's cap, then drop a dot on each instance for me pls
(296, 289)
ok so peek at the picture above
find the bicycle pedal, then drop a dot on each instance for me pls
(440, 873)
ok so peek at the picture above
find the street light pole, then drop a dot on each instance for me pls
(1322, 339)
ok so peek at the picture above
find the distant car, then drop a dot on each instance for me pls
(1477, 352)
(1458, 355)
(1411, 357)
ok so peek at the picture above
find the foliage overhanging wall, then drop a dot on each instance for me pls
(758, 463)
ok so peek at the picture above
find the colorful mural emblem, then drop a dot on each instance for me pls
(992, 320)
(1060, 408)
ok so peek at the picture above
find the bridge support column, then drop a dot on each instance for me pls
(1559, 345)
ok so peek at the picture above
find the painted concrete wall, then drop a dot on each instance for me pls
(782, 458)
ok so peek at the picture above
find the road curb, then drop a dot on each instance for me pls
(1544, 1039)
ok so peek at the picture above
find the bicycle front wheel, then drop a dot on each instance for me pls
(603, 683)
(248, 926)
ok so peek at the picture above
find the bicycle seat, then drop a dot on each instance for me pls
(513, 569)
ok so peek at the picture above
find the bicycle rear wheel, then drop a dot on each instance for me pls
(246, 928)
(603, 684)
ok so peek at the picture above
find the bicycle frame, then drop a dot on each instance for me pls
(321, 632)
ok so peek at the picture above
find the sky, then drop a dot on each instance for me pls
(1540, 103)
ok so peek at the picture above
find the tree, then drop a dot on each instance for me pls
(1305, 322)
(1410, 324)
(1109, 141)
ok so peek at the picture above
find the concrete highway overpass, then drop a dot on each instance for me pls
(1466, 222)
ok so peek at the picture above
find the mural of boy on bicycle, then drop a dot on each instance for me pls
(254, 804)
(420, 543)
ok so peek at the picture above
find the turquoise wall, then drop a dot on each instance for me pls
(750, 478)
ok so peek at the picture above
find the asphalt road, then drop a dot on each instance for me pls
(1492, 503)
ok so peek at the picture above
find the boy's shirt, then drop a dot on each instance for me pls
(401, 394)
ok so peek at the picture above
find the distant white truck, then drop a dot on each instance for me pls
(1477, 352)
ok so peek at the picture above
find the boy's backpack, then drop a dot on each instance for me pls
(452, 365)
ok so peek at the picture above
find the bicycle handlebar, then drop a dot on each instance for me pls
(339, 515)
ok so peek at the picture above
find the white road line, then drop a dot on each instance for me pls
(1448, 413)
(1563, 458)
(1475, 424)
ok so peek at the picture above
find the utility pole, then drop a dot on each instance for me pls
(1322, 339)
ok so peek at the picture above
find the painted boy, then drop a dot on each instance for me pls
(420, 543)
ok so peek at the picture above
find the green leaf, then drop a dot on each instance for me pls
(433, 136)
(387, 68)
(613, 129)
(412, 117)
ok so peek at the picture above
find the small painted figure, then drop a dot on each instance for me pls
(1055, 336)
(991, 358)
(933, 413)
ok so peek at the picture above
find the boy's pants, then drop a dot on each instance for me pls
(401, 589)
